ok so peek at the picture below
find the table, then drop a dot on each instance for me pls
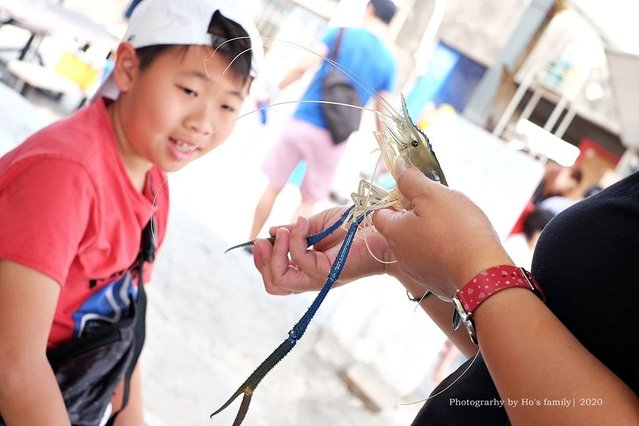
(43, 18)
(35, 75)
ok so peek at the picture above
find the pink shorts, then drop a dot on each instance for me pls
(304, 141)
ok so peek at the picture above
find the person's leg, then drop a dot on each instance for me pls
(263, 210)
(322, 158)
(278, 166)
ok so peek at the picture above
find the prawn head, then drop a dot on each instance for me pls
(402, 138)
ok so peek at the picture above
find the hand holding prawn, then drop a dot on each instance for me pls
(443, 240)
(306, 270)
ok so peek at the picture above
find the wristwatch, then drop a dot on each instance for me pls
(484, 285)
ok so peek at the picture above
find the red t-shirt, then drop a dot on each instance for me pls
(69, 210)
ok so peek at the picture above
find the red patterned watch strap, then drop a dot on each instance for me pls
(493, 280)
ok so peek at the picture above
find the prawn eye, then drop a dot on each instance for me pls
(414, 143)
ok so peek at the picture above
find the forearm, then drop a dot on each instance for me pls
(29, 392)
(307, 62)
(29, 395)
(537, 364)
(291, 76)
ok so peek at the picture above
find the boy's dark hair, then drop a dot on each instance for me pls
(228, 37)
(384, 9)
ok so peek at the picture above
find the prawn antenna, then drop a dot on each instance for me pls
(363, 84)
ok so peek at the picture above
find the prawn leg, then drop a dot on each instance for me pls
(311, 239)
(250, 384)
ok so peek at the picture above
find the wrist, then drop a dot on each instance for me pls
(483, 286)
(473, 267)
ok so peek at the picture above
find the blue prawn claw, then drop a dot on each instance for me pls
(311, 239)
(250, 384)
(248, 244)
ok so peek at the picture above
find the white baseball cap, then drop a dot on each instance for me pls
(157, 22)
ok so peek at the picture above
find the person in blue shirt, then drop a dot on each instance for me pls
(364, 55)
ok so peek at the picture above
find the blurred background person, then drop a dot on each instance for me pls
(521, 245)
(559, 181)
(364, 55)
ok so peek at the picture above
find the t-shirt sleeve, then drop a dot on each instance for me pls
(44, 210)
(388, 85)
(329, 39)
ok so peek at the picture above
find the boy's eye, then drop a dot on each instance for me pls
(228, 107)
(188, 91)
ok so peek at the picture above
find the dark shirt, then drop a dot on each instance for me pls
(586, 263)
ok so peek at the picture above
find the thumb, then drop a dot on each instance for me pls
(412, 183)
(385, 221)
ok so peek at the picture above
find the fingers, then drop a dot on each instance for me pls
(312, 262)
(298, 237)
(385, 221)
(281, 275)
(288, 265)
(265, 257)
(272, 262)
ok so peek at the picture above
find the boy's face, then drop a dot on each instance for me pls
(180, 107)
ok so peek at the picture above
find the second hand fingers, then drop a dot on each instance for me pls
(275, 270)
(287, 276)
(306, 260)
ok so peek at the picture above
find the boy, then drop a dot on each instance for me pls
(76, 197)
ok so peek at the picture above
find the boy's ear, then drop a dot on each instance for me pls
(126, 66)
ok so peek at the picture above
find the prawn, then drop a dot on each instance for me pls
(399, 139)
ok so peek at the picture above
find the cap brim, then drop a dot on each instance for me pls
(107, 89)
